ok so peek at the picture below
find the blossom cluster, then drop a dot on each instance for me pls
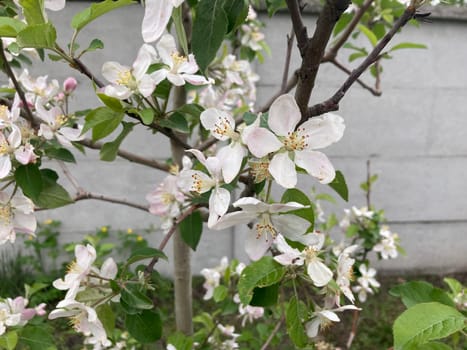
(15, 313)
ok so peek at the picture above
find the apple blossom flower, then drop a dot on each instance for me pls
(367, 277)
(84, 320)
(54, 125)
(179, 69)
(271, 222)
(292, 147)
(387, 247)
(16, 215)
(251, 36)
(222, 127)
(38, 87)
(250, 313)
(69, 85)
(165, 201)
(18, 306)
(77, 271)
(345, 271)
(157, 14)
(7, 317)
(8, 146)
(319, 273)
(324, 318)
(355, 215)
(228, 330)
(211, 281)
(127, 81)
(8, 116)
(199, 182)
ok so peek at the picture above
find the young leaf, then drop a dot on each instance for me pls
(191, 229)
(425, 322)
(209, 29)
(95, 44)
(9, 340)
(103, 121)
(147, 116)
(29, 179)
(33, 11)
(109, 150)
(176, 122)
(145, 253)
(339, 185)
(408, 46)
(262, 273)
(83, 18)
(220, 293)
(60, 154)
(135, 298)
(416, 292)
(37, 36)
(275, 5)
(111, 102)
(145, 327)
(369, 34)
(9, 27)
(294, 317)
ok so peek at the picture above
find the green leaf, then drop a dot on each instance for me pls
(37, 36)
(275, 5)
(237, 11)
(37, 338)
(176, 121)
(192, 109)
(295, 316)
(111, 102)
(432, 346)
(9, 27)
(369, 34)
(357, 55)
(83, 18)
(177, 18)
(341, 24)
(339, 185)
(416, 292)
(266, 296)
(147, 116)
(408, 46)
(102, 121)
(220, 293)
(29, 179)
(109, 150)
(425, 322)
(136, 299)
(9, 340)
(180, 341)
(95, 44)
(209, 29)
(191, 229)
(145, 253)
(262, 273)
(145, 327)
(60, 154)
(52, 195)
(33, 11)
(107, 317)
(455, 286)
(295, 195)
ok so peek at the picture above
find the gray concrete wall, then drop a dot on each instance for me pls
(415, 136)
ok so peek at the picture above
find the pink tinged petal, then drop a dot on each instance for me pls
(323, 131)
(159, 75)
(282, 169)
(25, 154)
(58, 313)
(218, 204)
(156, 17)
(316, 164)
(14, 139)
(112, 71)
(109, 268)
(46, 132)
(289, 255)
(233, 219)
(175, 79)
(261, 142)
(284, 115)
(255, 246)
(25, 223)
(5, 166)
(195, 79)
(319, 273)
(231, 160)
(214, 119)
(249, 129)
(312, 327)
(85, 255)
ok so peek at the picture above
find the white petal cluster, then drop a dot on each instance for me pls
(16, 215)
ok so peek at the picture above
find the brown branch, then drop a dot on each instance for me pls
(9, 72)
(332, 104)
(273, 333)
(314, 51)
(375, 91)
(128, 155)
(101, 197)
(298, 26)
(332, 52)
(353, 332)
(288, 55)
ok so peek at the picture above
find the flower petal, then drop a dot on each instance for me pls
(284, 115)
(218, 204)
(261, 141)
(231, 157)
(156, 17)
(319, 273)
(316, 164)
(232, 219)
(291, 226)
(282, 169)
(255, 246)
(324, 130)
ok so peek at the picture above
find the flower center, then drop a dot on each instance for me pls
(125, 78)
(5, 214)
(223, 127)
(296, 140)
(200, 185)
(4, 147)
(178, 60)
(265, 227)
(60, 120)
(259, 170)
(4, 112)
(167, 198)
(310, 254)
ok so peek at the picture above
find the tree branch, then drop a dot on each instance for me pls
(288, 54)
(128, 155)
(332, 104)
(375, 91)
(101, 197)
(9, 72)
(298, 26)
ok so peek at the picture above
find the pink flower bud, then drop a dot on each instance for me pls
(69, 85)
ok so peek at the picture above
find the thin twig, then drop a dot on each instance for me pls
(150, 267)
(128, 155)
(375, 91)
(332, 104)
(378, 75)
(368, 181)
(29, 116)
(70, 177)
(332, 52)
(89, 195)
(288, 55)
(298, 26)
(273, 333)
(353, 332)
